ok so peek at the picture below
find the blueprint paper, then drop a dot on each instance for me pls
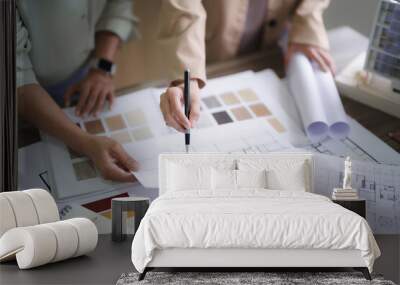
(378, 184)
(317, 99)
(361, 144)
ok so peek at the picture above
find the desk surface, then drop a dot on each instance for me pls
(102, 266)
(374, 120)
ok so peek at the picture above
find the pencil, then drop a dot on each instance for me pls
(186, 94)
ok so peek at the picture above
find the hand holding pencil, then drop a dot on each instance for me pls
(172, 106)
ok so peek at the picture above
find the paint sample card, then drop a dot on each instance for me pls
(136, 120)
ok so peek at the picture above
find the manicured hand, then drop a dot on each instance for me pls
(314, 53)
(94, 90)
(110, 158)
(171, 105)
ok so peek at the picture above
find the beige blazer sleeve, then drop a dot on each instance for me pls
(181, 39)
(308, 25)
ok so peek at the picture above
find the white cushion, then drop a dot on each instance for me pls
(282, 173)
(223, 179)
(251, 179)
(188, 177)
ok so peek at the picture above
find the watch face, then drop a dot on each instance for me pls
(105, 65)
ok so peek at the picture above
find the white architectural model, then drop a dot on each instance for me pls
(347, 174)
(346, 192)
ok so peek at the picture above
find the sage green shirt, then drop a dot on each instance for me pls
(56, 38)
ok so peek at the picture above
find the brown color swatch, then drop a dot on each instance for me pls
(241, 113)
(115, 123)
(94, 127)
(277, 125)
(260, 110)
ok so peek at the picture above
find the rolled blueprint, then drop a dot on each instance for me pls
(304, 89)
(317, 100)
(336, 116)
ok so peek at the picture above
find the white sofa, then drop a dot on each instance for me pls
(31, 231)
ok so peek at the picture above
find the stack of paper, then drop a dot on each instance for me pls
(345, 194)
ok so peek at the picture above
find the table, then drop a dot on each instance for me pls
(357, 206)
(123, 205)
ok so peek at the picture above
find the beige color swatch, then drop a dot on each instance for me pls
(248, 95)
(277, 125)
(229, 98)
(115, 123)
(241, 113)
(260, 110)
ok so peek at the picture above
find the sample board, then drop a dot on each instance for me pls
(232, 109)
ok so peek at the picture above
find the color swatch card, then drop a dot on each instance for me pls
(135, 121)
(134, 118)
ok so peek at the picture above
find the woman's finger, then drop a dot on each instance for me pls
(318, 59)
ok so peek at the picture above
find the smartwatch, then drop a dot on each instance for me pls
(104, 65)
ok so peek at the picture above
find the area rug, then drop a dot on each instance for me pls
(243, 278)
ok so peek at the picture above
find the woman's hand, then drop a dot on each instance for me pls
(314, 53)
(110, 158)
(171, 105)
(94, 90)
